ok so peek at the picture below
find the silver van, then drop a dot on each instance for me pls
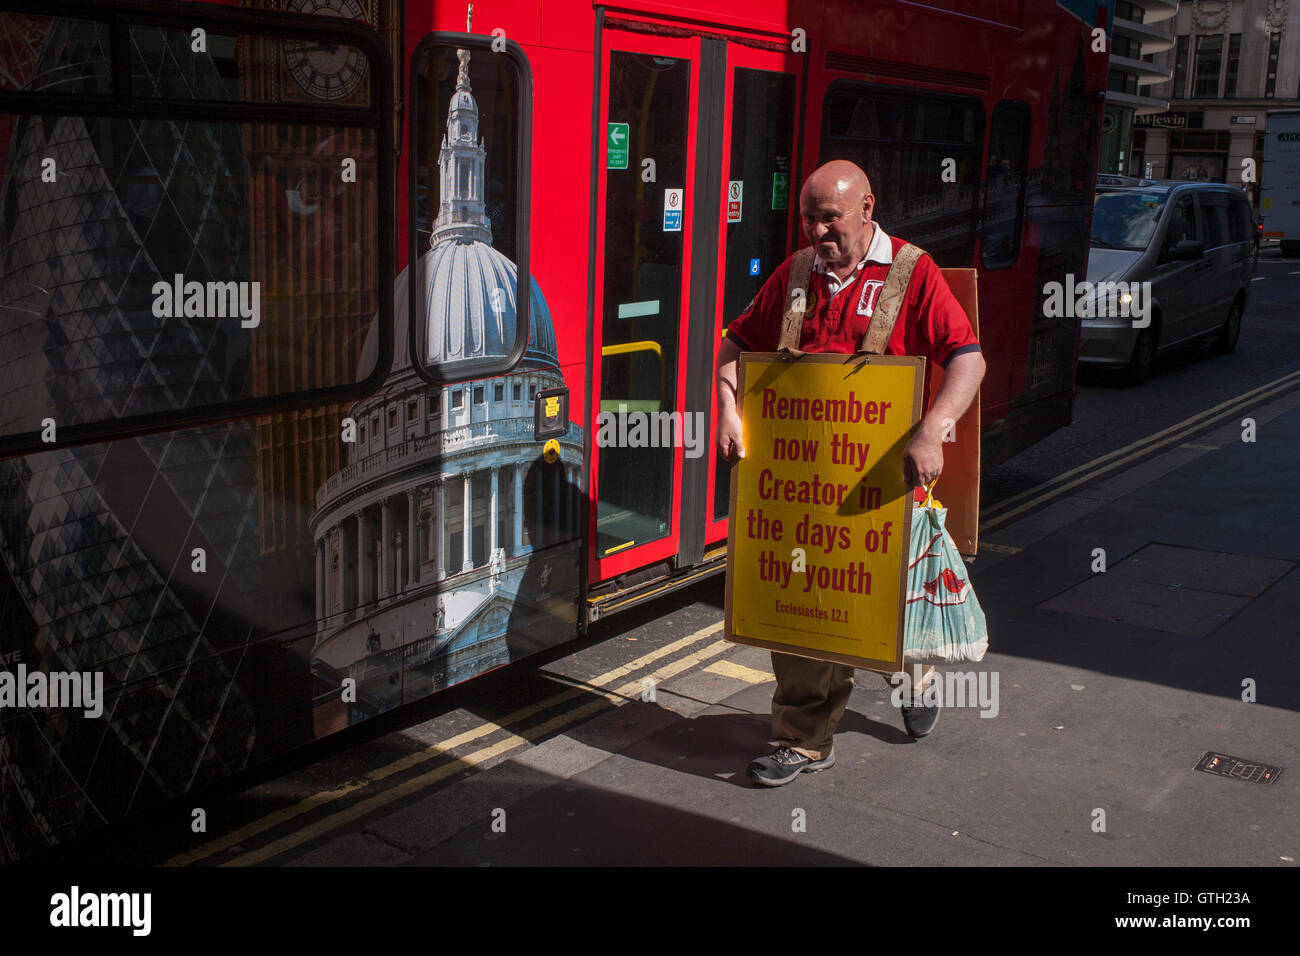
(1194, 243)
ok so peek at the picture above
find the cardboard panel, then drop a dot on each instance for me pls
(809, 483)
(958, 488)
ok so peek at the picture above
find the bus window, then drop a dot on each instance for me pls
(762, 134)
(75, 55)
(904, 139)
(247, 68)
(145, 240)
(1004, 187)
(762, 141)
(470, 312)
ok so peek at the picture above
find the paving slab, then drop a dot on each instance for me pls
(1108, 597)
(1215, 571)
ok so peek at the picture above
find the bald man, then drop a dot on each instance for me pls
(852, 257)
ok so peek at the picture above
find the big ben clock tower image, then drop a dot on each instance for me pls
(325, 71)
(316, 279)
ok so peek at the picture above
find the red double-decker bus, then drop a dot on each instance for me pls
(353, 348)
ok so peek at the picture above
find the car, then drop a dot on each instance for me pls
(1175, 260)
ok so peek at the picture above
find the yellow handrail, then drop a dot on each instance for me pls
(627, 348)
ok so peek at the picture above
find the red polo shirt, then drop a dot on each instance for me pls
(930, 323)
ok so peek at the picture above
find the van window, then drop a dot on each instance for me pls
(1182, 224)
(1125, 219)
(1239, 222)
(1214, 207)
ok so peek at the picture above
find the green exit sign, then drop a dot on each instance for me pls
(780, 190)
(616, 146)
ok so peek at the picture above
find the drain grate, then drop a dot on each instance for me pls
(1222, 765)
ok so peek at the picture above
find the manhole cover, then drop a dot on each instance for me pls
(1222, 765)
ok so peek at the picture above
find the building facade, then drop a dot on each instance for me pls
(1232, 61)
(1137, 86)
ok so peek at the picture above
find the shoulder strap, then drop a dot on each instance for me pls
(885, 315)
(798, 301)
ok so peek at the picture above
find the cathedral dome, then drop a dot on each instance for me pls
(460, 321)
(470, 292)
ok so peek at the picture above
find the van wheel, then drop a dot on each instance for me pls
(1226, 339)
(1144, 357)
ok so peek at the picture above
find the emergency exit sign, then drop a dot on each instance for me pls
(780, 190)
(616, 146)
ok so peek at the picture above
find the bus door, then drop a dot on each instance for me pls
(759, 206)
(693, 207)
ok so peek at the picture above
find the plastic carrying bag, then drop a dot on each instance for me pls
(943, 622)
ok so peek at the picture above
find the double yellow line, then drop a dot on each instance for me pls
(516, 737)
(1017, 505)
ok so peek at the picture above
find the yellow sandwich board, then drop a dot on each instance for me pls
(820, 512)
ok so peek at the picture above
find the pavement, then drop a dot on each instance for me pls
(1111, 688)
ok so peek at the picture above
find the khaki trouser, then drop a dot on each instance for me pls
(809, 700)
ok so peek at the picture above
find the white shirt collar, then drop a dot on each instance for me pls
(880, 250)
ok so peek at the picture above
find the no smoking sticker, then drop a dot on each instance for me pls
(735, 190)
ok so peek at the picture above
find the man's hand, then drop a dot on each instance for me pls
(923, 456)
(729, 442)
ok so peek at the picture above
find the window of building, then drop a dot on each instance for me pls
(1208, 66)
(456, 399)
(1120, 82)
(1270, 74)
(1129, 11)
(900, 137)
(363, 433)
(1125, 46)
(532, 393)
(1205, 140)
(1234, 61)
(1004, 188)
(374, 424)
(433, 401)
(517, 390)
(412, 410)
(498, 392)
(1137, 154)
(392, 416)
(478, 394)
(1180, 68)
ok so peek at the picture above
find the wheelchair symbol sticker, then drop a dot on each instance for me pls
(753, 267)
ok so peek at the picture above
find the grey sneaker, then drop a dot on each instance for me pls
(783, 765)
(919, 719)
